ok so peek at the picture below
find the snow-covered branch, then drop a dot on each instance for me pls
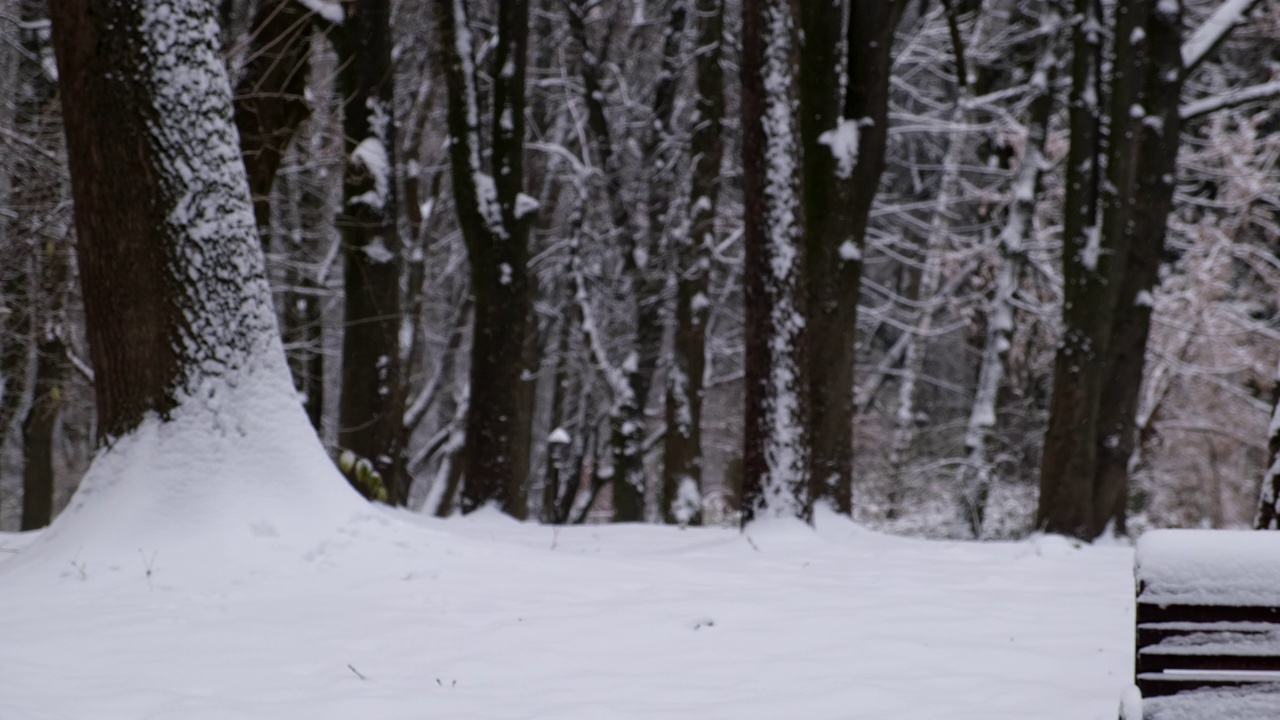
(1243, 96)
(1214, 31)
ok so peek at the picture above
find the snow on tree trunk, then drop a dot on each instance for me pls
(682, 444)
(776, 437)
(206, 439)
(1066, 470)
(494, 216)
(371, 403)
(1154, 182)
(844, 145)
(1074, 499)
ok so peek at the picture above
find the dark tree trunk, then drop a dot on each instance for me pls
(1158, 142)
(1067, 466)
(682, 444)
(270, 100)
(839, 190)
(371, 403)
(1104, 333)
(172, 276)
(775, 435)
(494, 216)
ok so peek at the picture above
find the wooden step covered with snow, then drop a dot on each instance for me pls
(1208, 610)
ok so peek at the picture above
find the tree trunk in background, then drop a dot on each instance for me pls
(270, 100)
(303, 328)
(51, 363)
(1067, 465)
(775, 436)
(1014, 236)
(933, 257)
(173, 279)
(34, 194)
(371, 403)
(15, 331)
(682, 445)
(1159, 139)
(645, 262)
(494, 216)
(844, 157)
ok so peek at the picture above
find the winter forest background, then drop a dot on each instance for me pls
(928, 236)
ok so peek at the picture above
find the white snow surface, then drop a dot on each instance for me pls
(181, 590)
(1202, 567)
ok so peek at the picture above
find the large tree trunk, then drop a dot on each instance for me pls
(371, 403)
(494, 216)
(175, 291)
(1066, 470)
(775, 435)
(1159, 139)
(205, 439)
(1095, 258)
(844, 157)
(682, 444)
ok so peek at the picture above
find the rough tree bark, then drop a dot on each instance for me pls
(1066, 470)
(682, 444)
(173, 280)
(495, 216)
(372, 398)
(776, 452)
(844, 156)
(1158, 140)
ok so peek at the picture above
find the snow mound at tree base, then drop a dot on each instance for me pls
(233, 484)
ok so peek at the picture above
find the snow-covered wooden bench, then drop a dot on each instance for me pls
(1208, 624)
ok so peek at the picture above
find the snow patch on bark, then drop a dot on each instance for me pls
(329, 10)
(843, 142)
(371, 156)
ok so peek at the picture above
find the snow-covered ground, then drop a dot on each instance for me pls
(395, 616)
